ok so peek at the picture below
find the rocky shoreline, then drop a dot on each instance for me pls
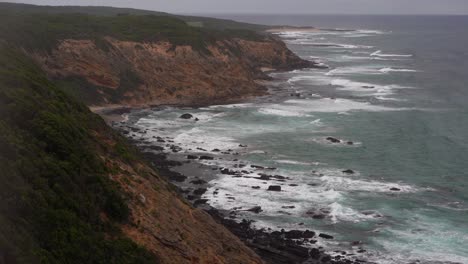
(276, 247)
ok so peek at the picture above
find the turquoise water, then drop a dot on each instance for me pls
(397, 88)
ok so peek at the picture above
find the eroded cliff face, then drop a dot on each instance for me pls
(167, 225)
(142, 74)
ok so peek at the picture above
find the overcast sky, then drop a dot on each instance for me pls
(280, 6)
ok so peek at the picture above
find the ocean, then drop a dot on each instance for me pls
(395, 96)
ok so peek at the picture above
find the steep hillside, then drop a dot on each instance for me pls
(207, 22)
(147, 59)
(73, 191)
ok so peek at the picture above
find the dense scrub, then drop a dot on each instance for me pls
(207, 22)
(57, 204)
(42, 31)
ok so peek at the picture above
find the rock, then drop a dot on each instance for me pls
(255, 209)
(206, 158)
(395, 189)
(192, 157)
(216, 150)
(293, 234)
(155, 148)
(333, 140)
(200, 191)
(322, 235)
(198, 182)
(350, 143)
(279, 177)
(349, 171)
(288, 207)
(293, 185)
(186, 116)
(200, 201)
(196, 119)
(319, 216)
(228, 171)
(275, 188)
(161, 140)
(257, 167)
(242, 146)
(256, 187)
(308, 234)
(368, 86)
(264, 177)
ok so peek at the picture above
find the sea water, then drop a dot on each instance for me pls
(397, 88)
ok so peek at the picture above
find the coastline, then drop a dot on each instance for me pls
(273, 246)
(277, 247)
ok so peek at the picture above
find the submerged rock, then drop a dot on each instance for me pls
(395, 189)
(333, 140)
(349, 171)
(186, 116)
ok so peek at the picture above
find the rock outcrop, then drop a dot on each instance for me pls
(154, 73)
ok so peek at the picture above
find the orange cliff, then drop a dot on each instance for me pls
(156, 73)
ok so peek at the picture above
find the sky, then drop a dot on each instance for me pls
(278, 6)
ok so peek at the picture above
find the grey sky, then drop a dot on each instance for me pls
(280, 6)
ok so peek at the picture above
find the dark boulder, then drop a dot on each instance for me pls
(322, 235)
(198, 182)
(192, 157)
(255, 209)
(256, 187)
(333, 140)
(206, 158)
(186, 116)
(275, 188)
(349, 171)
(395, 189)
(228, 171)
(199, 191)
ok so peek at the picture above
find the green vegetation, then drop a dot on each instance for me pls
(40, 31)
(57, 204)
(207, 22)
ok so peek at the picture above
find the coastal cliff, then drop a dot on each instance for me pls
(153, 73)
(144, 60)
(74, 191)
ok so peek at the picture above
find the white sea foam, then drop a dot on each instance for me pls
(294, 162)
(281, 112)
(380, 54)
(353, 70)
(197, 137)
(329, 44)
(389, 69)
(347, 183)
(328, 105)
